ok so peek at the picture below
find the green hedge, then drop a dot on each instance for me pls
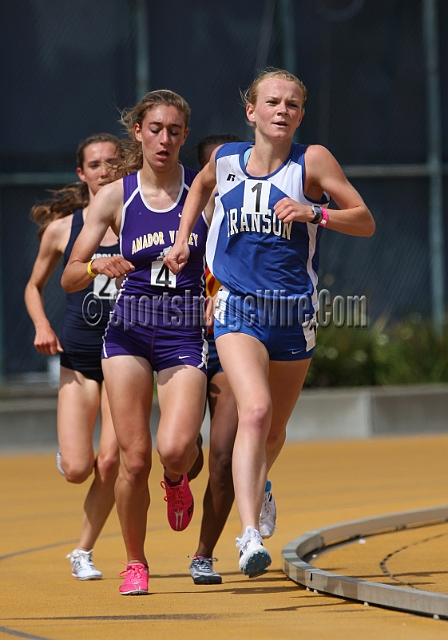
(409, 352)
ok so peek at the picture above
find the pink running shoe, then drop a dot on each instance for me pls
(136, 578)
(180, 503)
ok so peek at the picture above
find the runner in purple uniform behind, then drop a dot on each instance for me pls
(157, 322)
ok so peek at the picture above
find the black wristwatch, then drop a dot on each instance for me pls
(317, 210)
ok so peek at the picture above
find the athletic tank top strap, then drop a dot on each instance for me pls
(189, 176)
(77, 225)
(298, 151)
(130, 185)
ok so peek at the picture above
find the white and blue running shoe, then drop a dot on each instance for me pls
(254, 558)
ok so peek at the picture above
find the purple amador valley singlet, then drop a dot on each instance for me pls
(159, 315)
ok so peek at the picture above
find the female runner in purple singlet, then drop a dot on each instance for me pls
(157, 321)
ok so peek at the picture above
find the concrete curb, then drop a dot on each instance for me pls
(296, 565)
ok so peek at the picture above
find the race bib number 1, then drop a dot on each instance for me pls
(161, 276)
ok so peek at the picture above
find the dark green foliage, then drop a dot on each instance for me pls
(409, 352)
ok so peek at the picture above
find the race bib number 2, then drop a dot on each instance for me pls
(104, 287)
(161, 276)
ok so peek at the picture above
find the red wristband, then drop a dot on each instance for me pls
(323, 222)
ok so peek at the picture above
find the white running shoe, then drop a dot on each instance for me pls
(268, 513)
(58, 462)
(254, 558)
(82, 565)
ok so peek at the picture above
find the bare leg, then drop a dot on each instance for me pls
(181, 393)
(246, 362)
(285, 381)
(78, 404)
(198, 463)
(129, 384)
(266, 393)
(101, 497)
(219, 495)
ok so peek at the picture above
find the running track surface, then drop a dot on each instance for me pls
(315, 485)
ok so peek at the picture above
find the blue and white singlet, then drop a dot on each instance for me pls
(249, 250)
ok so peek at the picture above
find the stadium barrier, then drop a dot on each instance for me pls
(28, 414)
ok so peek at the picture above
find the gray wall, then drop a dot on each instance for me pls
(29, 423)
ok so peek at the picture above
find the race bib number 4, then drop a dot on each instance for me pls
(161, 276)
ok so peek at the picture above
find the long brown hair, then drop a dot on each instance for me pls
(130, 149)
(73, 196)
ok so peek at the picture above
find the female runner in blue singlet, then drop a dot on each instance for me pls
(81, 392)
(157, 321)
(263, 247)
(219, 494)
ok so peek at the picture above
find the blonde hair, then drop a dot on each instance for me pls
(130, 149)
(250, 96)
